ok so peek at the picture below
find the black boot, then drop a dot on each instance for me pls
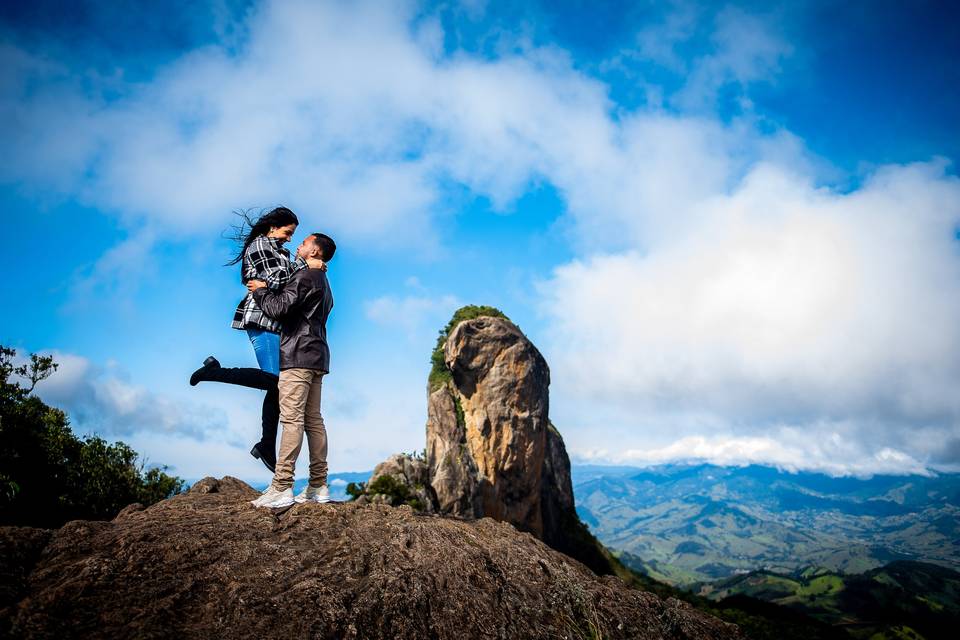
(240, 376)
(262, 455)
(269, 421)
(200, 374)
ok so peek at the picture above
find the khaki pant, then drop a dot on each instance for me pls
(299, 412)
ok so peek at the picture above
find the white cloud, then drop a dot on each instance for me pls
(344, 112)
(787, 303)
(100, 400)
(745, 50)
(790, 449)
(341, 110)
(720, 52)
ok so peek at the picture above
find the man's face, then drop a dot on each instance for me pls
(308, 248)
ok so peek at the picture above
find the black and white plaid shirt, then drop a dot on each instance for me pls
(265, 259)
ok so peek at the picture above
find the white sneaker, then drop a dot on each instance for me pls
(273, 499)
(311, 494)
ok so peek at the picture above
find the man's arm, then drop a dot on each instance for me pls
(277, 304)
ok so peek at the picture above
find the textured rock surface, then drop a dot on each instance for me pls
(491, 459)
(207, 565)
(503, 383)
(453, 473)
(491, 450)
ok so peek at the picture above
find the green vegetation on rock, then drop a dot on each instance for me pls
(47, 474)
(461, 416)
(439, 374)
(396, 492)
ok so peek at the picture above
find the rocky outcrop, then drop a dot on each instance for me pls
(206, 564)
(401, 479)
(452, 470)
(491, 448)
(500, 398)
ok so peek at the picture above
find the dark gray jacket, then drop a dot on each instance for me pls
(302, 307)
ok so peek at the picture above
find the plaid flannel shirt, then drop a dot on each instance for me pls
(265, 259)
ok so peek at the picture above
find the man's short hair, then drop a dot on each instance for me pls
(327, 246)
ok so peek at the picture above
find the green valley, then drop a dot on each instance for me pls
(900, 600)
(686, 524)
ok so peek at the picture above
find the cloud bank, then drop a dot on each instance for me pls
(355, 113)
(837, 314)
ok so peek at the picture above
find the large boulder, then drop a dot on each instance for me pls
(491, 448)
(205, 564)
(491, 462)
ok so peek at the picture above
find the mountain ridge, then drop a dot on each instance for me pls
(689, 523)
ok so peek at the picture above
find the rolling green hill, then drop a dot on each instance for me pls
(900, 600)
(684, 524)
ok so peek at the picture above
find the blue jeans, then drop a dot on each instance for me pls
(266, 345)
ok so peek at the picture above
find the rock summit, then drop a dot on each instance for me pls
(205, 564)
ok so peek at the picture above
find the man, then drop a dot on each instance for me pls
(302, 307)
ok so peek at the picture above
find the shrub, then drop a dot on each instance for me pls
(47, 474)
(394, 490)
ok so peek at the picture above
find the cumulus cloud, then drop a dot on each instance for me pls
(350, 112)
(99, 400)
(342, 110)
(787, 302)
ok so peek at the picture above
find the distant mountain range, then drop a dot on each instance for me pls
(686, 524)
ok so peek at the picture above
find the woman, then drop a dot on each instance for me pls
(261, 257)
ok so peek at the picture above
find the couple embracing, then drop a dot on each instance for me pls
(284, 315)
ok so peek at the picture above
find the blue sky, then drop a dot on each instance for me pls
(731, 228)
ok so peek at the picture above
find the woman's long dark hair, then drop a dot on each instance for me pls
(249, 229)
